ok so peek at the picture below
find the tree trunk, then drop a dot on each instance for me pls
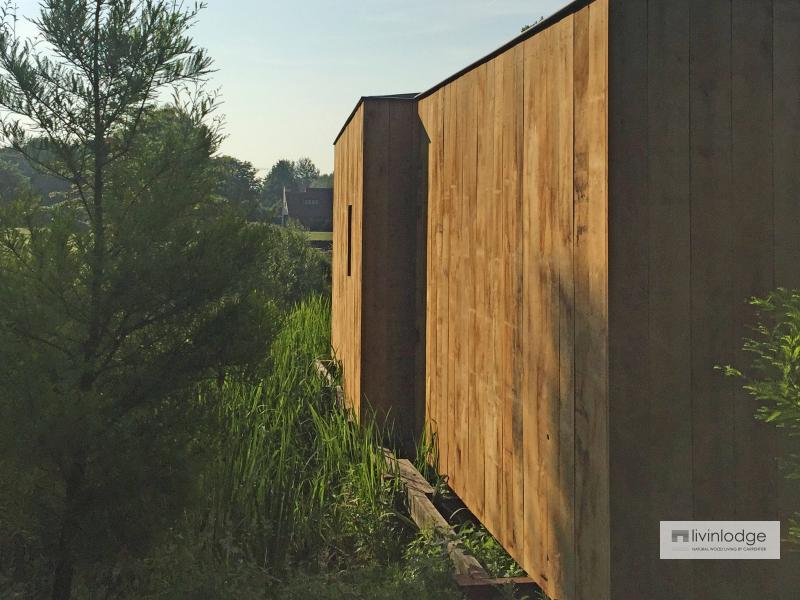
(62, 582)
(65, 568)
(98, 218)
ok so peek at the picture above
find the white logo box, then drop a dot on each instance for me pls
(720, 540)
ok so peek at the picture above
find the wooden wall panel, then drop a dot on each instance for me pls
(786, 211)
(711, 278)
(449, 252)
(628, 294)
(702, 97)
(378, 315)
(347, 299)
(389, 302)
(669, 276)
(507, 279)
(602, 197)
(375, 262)
(752, 270)
(511, 307)
(592, 389)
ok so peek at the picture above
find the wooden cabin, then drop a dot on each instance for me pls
(601, 196)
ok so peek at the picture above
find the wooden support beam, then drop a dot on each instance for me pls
(469, 574)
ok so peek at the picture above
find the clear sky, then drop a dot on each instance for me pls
(291, 72)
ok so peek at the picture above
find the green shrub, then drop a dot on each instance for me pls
(773, 376)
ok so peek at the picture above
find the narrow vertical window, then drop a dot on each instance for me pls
(349, 238)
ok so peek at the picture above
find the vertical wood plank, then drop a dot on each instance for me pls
(669, 430)
(426, 119)
(628, 299)
(508, 239)
(375, 239)
(511, 297)
(712, 263)
(498, 293)
(561, 104)
(534, 297)
(752, 274)
(514, 168)
(460, 320)
(544, 231)
(786, 68)
(592, 517)
(786, 177)
(475, 292)
(449, 191)
(486, 283)
(436, 227)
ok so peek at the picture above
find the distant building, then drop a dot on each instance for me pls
(313, 208)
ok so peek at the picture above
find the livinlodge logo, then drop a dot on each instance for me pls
(720, 540)
(680, 535)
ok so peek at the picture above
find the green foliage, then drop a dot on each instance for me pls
(534, 24)
(14, 185)
(424, 580)
(280, 176)
(773, 376)
(305, 172)
(292, 175)
(478, 542)
(293, 500)
(117, 299)
(323, 181)
(295, 269)
(296, 477)
(100, 65)
(184, 294)
(182, 569)
(473, 537)
(47, 189)
(239, 185)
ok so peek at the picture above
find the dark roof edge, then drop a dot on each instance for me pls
(396, 97)
(557, 16)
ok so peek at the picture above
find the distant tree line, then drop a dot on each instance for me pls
(258, 198)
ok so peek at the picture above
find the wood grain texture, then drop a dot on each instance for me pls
(507, 202)
(376, 312)
(602, 197)
(699, 176)
(347, 300)
(712, 286)
(786, 220)
(752, 211)
(592, 526)
(669, 272)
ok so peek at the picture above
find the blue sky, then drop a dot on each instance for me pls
(291, 72)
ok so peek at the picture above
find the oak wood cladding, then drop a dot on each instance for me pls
(377, 326)
(599, 199)
(346, 260)
(701, 172)
(515, 271)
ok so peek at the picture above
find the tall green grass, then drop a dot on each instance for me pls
(296, 480)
